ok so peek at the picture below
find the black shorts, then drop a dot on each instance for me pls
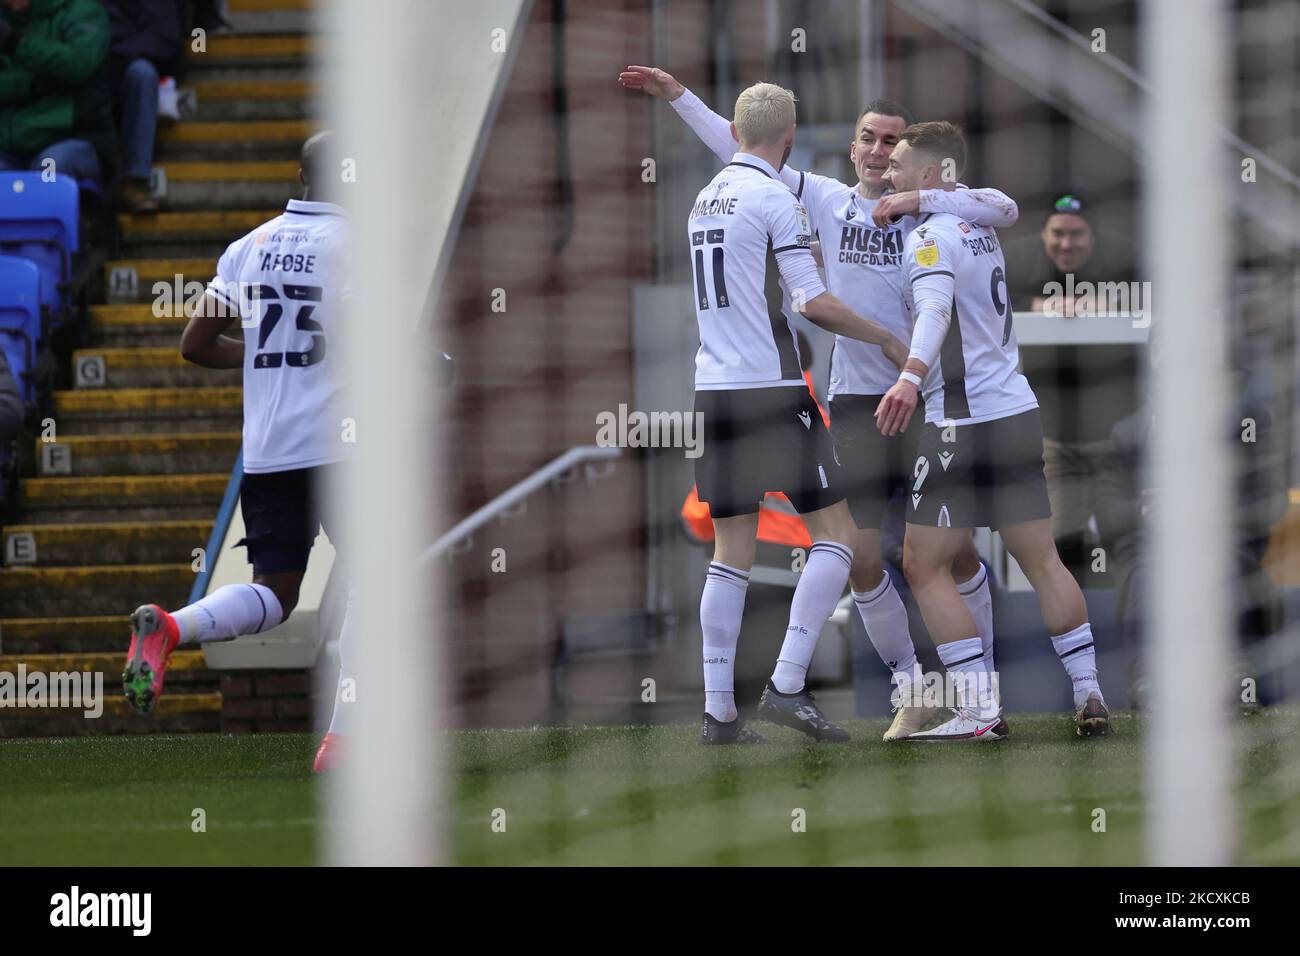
(758, 440)
(872, 466)
(283, 512)
(989, 475)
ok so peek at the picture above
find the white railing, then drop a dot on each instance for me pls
(517, 493)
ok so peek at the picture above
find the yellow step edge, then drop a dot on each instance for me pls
(123, 486)
(106, 661)
(62, 533)
(154, 270)
(153, 442)
(216, 397)
(115, 705)
(270, 6)
(169, 705)
(251, 171)
(30, 628)
(255, 89)
(75, 575)
(254, 46)
(233, 221)
(242, 131)
(133, 315)
(160, 356)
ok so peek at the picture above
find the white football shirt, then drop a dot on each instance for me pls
(748, 237)
(283, 279)
(956, 286)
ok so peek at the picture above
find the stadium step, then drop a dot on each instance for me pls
(184, 452)
(234, 100)
(42, 635)
(108, 492)
(115, 326)
(174, 273)
(230, 185)
(230, 140)
(112, 542)
(256, 50)
(106, 662)
(177, 713)
(132, 410)
(93, 589)
(155, 367)
(270, 16)
(191, 235)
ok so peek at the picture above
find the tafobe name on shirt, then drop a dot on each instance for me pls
(863, 245)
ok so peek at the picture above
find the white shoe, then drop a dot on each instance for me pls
(966, 725)
(168, 100)
(909, 720)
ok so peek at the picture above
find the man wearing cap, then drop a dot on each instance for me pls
(1083, 390)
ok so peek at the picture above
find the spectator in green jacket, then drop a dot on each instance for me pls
(54, 97)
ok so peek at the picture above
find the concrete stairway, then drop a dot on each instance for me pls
(113, 518)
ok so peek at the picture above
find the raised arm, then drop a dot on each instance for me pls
(713, 130)
(984, 207)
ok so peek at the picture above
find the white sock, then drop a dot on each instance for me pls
(346, 694)
(965, 662)
(722, 607)
(819, 589)
(1077, 654)
(885, 619)
(229, 611)
(979, 602)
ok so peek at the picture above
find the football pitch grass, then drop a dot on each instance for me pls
(643, 795)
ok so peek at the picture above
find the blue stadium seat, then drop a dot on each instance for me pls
(20, 319)
(39, 221)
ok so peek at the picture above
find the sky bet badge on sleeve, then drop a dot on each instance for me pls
(927, 253)
(805, 230)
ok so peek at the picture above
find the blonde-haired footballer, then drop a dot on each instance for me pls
(747, 232)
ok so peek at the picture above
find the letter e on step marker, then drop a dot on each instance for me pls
(20, 548)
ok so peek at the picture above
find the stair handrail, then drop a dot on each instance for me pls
(517, 493)
(219, 527)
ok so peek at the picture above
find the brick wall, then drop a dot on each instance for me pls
(565, 246)
(266, 701)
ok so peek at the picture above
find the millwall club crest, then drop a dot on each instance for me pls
(945, 457)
